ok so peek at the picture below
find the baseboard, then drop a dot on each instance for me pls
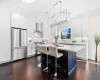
(31, 56)
(82, 58)
(9, 61)
(5, 62)
(37, 54)
(91, 59)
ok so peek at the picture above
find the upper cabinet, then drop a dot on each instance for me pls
(18, 20)
(79, 26)
(76, 24)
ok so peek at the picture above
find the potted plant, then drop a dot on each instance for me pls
(97, 42)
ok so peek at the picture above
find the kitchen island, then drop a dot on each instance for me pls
(69, 55)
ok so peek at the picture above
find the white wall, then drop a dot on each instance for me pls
(94, 29)
(5, 38)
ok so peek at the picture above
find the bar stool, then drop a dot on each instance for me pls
(44, 59)
(43, 50)
(47, 69)
(54, 52)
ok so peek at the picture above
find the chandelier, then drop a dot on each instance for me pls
(63, 16)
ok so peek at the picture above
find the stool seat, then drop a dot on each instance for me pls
(59, 55)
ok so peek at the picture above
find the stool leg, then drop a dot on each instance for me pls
(47, 68)
(55, 75)
(40, 64)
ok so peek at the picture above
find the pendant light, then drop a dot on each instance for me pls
(61, 17)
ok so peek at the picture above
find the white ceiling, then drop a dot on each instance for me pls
(39, 7)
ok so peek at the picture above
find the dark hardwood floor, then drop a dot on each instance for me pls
(86, 71)
(27, 70)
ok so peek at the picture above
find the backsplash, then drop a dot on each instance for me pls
(76, 40)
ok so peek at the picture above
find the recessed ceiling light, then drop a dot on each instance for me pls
(46, 12)
(18, 9)
(29, 1)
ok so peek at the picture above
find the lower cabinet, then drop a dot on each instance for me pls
(82, 54)
(71, 62)
(31, 50)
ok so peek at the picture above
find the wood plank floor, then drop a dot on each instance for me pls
(28, 70)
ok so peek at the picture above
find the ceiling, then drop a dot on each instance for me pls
(40, 7)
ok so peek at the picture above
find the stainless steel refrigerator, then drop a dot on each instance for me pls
(18, 43)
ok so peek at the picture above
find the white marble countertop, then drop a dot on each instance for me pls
(73, 48)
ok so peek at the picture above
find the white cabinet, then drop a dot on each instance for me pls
(31, 50)
(82, 54)
(79, 26)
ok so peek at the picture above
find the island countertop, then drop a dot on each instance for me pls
(73, 48)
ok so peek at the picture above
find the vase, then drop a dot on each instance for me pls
(56, 41)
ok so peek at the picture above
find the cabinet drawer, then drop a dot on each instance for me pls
(81, 55)
(83, 50)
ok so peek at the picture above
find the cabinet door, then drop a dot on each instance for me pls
(31, 50)
(82, 54)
